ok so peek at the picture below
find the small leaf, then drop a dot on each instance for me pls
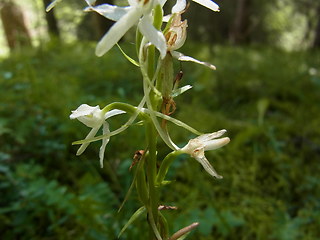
(134, 62)
(181, 90)
(132, 219)
(140, 165)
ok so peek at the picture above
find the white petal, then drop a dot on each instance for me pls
(207, 166)
(111, 12)
(104, 143)
(52, 5)
(113, 112)
(83, 146)
(210, 136)
(117, 31)
(208, 4)
(184, 58)
(179, 6)
(216, 143)
(90, 116)
(153, 35)
(83, 110)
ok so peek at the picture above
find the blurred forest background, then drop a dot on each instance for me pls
(265, 92)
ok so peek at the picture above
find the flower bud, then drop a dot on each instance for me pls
(165, 77)
(177, 33)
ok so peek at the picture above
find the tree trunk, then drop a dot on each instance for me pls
(241, 22)
(102, 24)
(15, 29)
(53, 28)
(316, 43)
(94, 26)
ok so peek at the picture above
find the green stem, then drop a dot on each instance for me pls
(138, 41)
(124, 107)
(167, 161)
(152, 172)
(151, 61)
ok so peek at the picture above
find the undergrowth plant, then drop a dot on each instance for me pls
(158, 36)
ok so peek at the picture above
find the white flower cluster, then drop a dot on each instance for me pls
(140, 12)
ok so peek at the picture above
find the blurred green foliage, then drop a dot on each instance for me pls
(268, 99)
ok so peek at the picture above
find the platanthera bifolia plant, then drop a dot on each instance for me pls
(158, 37)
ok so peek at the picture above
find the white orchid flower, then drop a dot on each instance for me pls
(206, 142)
(94, 118)
(125, 17)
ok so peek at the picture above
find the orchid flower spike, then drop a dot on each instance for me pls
(206, 142)
(125, 17)
(94, 118)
